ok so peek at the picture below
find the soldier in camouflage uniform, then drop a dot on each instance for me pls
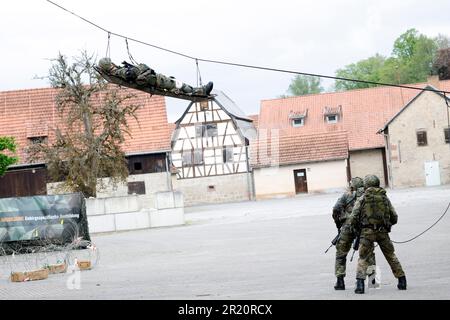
(374, 215)
(144, 76)
(341, 212)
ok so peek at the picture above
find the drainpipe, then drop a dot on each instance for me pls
(168, 174)
(250, 182)
(388, 155)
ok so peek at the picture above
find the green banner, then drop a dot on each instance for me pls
(45, 218)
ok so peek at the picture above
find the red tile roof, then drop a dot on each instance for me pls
(298, 148)
(31, 113)
(364, 112)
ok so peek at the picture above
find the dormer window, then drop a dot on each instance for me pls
(299, 122)
(38, 140)
(332, 115)
(298, 118)
(332, 118)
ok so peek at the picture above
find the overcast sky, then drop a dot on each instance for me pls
(317, 36)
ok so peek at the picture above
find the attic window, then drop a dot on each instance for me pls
(332, 115)
(299, 122)
(38, 140)
(297, 118)
(204, 106)
(422, 138)
(206, 130)
(332, 118)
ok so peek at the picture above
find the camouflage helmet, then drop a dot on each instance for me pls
(371, 181)
(105, 64)
(356, 183)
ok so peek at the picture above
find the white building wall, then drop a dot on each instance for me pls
(154, 182)
(325, 176)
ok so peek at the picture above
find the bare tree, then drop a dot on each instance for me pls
(92, 127)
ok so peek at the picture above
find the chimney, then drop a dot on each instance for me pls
(434, 81)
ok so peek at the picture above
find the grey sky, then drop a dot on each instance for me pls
(317, 36)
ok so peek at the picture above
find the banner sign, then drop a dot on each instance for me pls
(54, 217)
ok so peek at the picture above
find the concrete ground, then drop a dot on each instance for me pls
(271, 249)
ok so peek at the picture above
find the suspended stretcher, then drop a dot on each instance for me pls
(119, 76)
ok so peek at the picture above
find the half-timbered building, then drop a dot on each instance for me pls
(211, 140)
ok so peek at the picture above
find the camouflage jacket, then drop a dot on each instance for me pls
(373, 207)
(344, 205)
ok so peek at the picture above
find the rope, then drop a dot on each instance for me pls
(440, 218)
(108, 46)
(129, 53)
(199, 76)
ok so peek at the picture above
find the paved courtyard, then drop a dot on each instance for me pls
(271, 249)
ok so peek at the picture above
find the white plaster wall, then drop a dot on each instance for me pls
(154, 182)
(321, 177)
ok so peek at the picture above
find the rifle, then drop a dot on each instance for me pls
(356, 244)
(358, 235)
(334, 241)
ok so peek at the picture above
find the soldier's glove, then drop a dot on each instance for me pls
(336, 214)
(388, 227)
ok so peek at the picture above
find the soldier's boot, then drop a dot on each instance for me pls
(359, 286)
(402, 283)
(208, 88)
(204, 90)
(340, 285)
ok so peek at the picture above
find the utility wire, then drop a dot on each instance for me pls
(119, 35)
(246, 65)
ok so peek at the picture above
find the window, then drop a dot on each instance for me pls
(422, 138)
(206, 130)
(447, 135)
(211, 130)
(137, 166)
(332, 118)
(199, 130)
(227, 154)
(204, 105)
(192, 157)
(137, 187)
(38, 140)
(299, 122)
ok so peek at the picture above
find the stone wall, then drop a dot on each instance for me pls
(366, 162)
(407, 160)
(216, 189)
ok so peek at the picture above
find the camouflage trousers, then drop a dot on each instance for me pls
(343, 246)
(366, 248)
